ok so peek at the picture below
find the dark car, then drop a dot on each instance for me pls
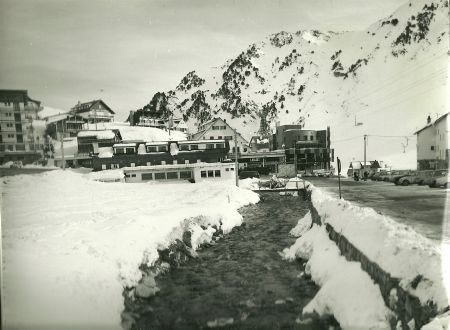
(248, 174)
(397, 175)
(439, 174)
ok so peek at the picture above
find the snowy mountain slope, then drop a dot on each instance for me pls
(388, 77)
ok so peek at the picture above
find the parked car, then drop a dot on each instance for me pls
(248, 174)
(423, 175)
(376, 176)
(412, 178)
(384, 177)
(16, 164)
(443, 181)
(396, 175)
(439, 174)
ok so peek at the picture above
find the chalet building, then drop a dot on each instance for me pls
(161, 153)
(371, 167)
(218, 129)
(87, 145)
(433, 144)
(176, 124)
(95, 111)
(310, 149)
(21, 131)
(64, 125)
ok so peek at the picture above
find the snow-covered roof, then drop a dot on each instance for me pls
(175, 166)
(101, 135)
(200, 141)
(49, 112)
(156, 143)
(124, 145)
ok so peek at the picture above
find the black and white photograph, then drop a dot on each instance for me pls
(224, 164)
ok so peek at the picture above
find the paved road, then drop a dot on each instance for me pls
(420, 207)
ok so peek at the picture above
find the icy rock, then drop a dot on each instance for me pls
(147, 287)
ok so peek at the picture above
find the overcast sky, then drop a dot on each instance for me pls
(64, 51)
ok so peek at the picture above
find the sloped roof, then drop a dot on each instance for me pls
(432, 124)
(207, 126)
(87, 106)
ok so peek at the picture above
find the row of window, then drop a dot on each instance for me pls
(163, 162)
(210, 174)
(163, 148)
(216, 128)
(173, 175)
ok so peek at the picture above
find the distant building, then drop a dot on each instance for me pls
(371, 167)
(217, 129)
(95, 111)
(161, 153)
(21, 131)
(176, 124)
(88, 144)
(310, 149)
(259, 144)
(433, 144)
(64, 125)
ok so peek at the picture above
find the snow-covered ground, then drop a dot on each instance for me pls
(396, 248)
(70, 244)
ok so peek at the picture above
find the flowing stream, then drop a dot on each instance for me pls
(240, 282)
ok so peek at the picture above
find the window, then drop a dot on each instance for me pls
(172, 175)
(127, 175)
(120, 151)
(211, 137)
(9, 125)
(149, 163)
(186, 161)
(217, 173)
(175, 161)
(10, 135)
(194, 146)
(234, 150)
(305, 138)
(224, 127)
(245, 149)
(163, 162)
(151, 149)
(162, 148)
(114, 165)
(432, 147)
(210, 174)
(215, 128)
(133, 175)
(227, 169)
(209, 146)
(220, 145)
(232, 169)
(203, 174)
(184, 147)
(160, 176)
(132, 164)
(129, 150)
(185, 175)
(220, 137)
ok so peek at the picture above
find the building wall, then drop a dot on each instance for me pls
(426, 144)
(18, 141)
(442, 139)
(127, 160)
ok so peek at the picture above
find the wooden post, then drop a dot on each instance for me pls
(63, 165)
(236, 165)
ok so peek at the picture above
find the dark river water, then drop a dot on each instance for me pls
(241, 282)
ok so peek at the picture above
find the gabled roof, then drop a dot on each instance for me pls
(433, 124)
(208, 125)
(87, 106)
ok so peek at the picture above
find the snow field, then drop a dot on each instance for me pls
(71, 244)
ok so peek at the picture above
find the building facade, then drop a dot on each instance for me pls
(21, 131)
(308, 149)
(95, 111)
(64, 125)
(161, 153)
(433, 144)
(218, 129)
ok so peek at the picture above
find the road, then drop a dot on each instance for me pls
(420, 207)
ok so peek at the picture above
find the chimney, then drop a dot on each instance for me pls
(428, 119)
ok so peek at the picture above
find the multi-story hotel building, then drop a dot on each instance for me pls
(21, 133)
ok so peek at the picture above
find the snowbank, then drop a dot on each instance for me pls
(69, 250)
(396, 248)
(249, 183)
(347, 292)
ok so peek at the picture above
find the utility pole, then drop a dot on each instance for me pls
(295, 158)
(236, 166)
(62, 148)
(365, 147)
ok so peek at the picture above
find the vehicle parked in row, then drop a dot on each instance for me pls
(377, 175)
(412, 178)
(384, 177)
(424, 175)
(443, 181)
(437, 175)
(396, 175)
